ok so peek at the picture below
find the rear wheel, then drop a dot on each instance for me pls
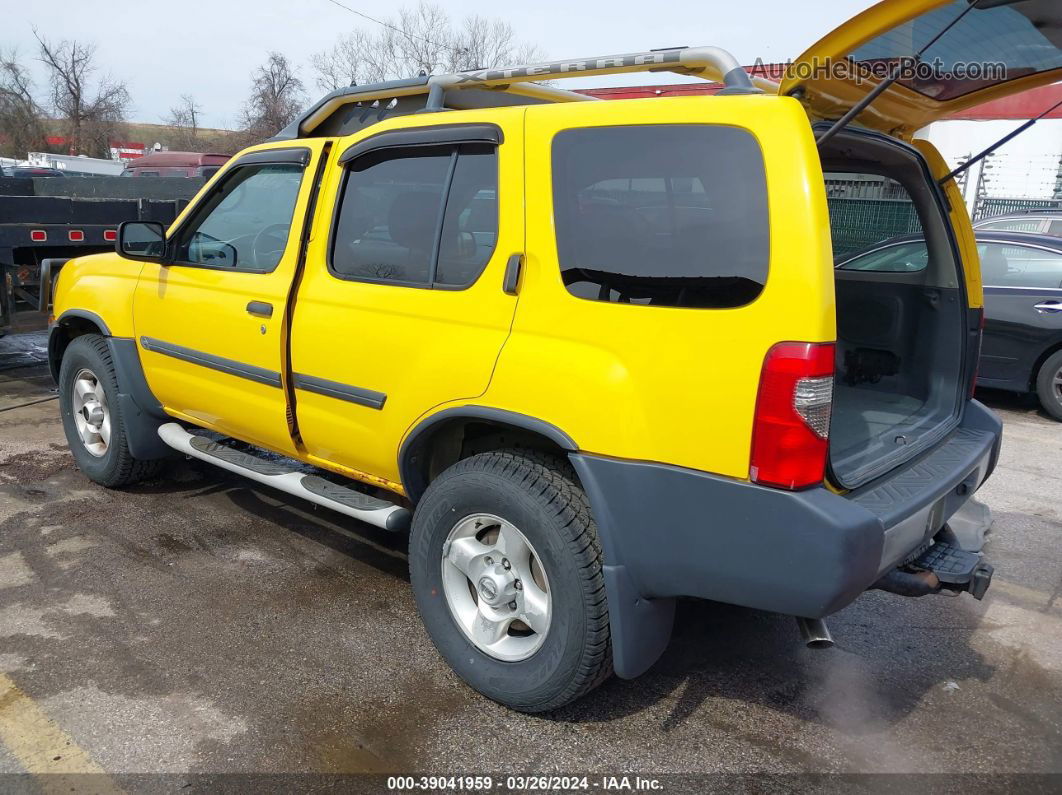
(92, 415)
(1049, 385)
(506, 570)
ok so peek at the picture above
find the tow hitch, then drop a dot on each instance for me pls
(941, 567)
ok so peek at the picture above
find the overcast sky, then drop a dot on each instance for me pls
(209, 49)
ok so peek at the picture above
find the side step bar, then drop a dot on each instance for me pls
(351, 502)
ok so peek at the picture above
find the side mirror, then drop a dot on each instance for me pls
(141, 240)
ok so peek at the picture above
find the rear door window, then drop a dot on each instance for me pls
(665, 215)
(418, 217)
(1020, 266)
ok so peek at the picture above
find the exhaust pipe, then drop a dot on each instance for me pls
(815, 633)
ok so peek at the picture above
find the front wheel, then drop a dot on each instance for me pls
(506, 570)
(92, 415)
(1049, 385)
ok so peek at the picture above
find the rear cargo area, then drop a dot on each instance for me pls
(900, 309)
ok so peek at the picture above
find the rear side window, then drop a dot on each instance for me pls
(418, 217)
(666, 215)
(1020, 266)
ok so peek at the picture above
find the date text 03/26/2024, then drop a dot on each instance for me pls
(543, 783)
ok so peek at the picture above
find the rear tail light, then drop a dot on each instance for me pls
(110, 235)
(38, 235)
(75, 235)
(791, 427)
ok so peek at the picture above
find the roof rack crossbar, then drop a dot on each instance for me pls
(710, 63)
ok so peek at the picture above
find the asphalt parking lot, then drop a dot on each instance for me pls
(201, 624)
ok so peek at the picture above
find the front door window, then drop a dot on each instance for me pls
(245, 224)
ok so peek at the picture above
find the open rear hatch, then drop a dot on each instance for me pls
(972, 51)
(905, 349)
(901, 307)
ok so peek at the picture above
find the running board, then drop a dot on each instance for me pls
(374, 511)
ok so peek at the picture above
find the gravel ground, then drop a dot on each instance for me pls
(199, 624)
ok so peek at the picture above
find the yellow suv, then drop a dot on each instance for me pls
(593, 355)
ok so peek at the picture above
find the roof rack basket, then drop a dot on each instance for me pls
(347, 110)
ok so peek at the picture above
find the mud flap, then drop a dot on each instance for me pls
(641, 628)
(141, 412)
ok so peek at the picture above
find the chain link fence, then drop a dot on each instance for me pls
(989, 206)
(860, 223)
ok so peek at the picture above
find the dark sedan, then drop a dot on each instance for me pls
(1021, 350)
(1045, 221)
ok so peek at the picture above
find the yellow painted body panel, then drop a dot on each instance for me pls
(658, 383)
(420, 347)
(960, 223)
(899, 111)
(102, 284)
(205, 309)
(651, 383)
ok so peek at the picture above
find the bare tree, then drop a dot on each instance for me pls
(277, 96)
(483, 43)
(185, 114)
(91, 109)
(184, 121)
(422, 39)
(22, 126)
(353, 59)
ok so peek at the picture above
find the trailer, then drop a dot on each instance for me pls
(77, 165)
(44, 224)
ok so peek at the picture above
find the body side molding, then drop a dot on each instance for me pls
(334, 389)
(219, 363)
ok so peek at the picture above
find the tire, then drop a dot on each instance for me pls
(1049, 385)
(537, 495)
(103, 456)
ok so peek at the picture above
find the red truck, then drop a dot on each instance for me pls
(176, 164)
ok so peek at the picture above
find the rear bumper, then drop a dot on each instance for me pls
(669, 532)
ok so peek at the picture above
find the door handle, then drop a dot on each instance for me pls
(1049, 306)
(260, 309)
(512, 274)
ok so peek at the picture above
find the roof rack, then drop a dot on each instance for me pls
(349, 109)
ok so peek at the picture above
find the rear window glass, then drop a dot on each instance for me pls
(987, 46)
(1013, 225)
(899, 258)
(666, 215)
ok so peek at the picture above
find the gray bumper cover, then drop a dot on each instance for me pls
(668, 532)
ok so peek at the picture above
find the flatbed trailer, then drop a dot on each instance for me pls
(38, 233)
